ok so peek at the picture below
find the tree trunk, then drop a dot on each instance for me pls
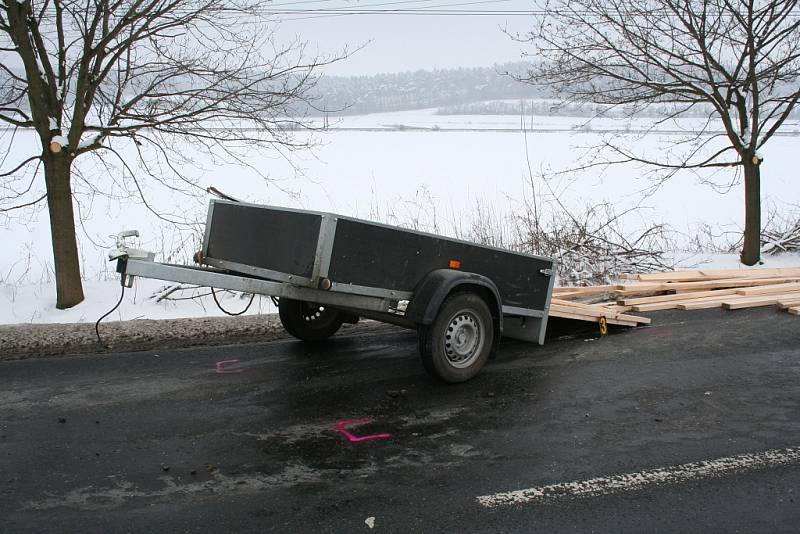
(69, 288)
(751, 251)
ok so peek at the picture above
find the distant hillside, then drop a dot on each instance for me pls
(421, 89)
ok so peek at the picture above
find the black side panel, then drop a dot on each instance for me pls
(375, 256)
(272, 239)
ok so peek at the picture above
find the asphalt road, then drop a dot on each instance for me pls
(175, 441)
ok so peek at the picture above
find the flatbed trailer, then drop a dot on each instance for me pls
(327, 269)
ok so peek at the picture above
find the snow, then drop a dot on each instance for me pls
(429, 174)
(60, 139)
(35, 303)
(53, 123)
(89, 141)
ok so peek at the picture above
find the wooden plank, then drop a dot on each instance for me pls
(753, 302)
(583, 305)
(789, 303)
(730, 282)
(669, 305)
(670, 275)
(794, 311)
(708, 274)
(594, 312)
(588, 290)
(633, 289)
(561, 289)
(736, 301)
(596, 309)
(713, 301)
(577, 292)
(768, 289)
(701, 304)
(678, 296)
(613, 306)
(577, 317)
(657, 306)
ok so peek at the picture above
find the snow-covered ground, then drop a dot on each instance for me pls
(369, 167)
(35, 303)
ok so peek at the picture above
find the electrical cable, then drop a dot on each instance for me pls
(109, 312)
(213, 294)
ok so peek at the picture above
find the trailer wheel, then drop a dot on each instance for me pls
(458, 343)
(307, 320)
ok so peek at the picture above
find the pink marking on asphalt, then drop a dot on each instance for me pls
(341, 427)
(224, 368)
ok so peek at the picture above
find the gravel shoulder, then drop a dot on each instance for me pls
(23, 341)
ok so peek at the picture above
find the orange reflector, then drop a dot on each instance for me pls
(455, 264)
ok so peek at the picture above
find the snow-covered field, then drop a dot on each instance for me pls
(411, 168)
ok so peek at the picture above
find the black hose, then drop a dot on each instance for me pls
(214, 294)
(109, 312)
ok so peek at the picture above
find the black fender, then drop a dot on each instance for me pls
(438, 284)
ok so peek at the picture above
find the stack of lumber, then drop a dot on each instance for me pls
(684, 290)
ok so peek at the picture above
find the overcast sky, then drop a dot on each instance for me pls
(395, 43)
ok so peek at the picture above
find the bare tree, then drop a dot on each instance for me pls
(99, 76)
(737, 59)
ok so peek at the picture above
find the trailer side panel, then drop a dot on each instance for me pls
(374, 255)
(277, 240)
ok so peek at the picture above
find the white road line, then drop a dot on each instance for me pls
(634, 481)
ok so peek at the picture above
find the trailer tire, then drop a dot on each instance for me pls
(458, 343)
(309, 321)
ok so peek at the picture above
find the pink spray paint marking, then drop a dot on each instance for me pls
(342, 426)
(226, 367)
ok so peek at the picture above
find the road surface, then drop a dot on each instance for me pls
(691, 425)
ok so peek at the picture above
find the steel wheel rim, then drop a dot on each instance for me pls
(463, 339)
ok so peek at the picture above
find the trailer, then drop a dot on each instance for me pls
(326, 270)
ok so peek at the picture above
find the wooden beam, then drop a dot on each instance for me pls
(789, 303)
(589, 290)
(689, 302)
(671, 304)
(753, 302)
(732, 302)
(591, 311)
(709, 274)
(633, 289)
(678, 296)
(701, 304)
(577, 292)
(768, 289)
(591, 319)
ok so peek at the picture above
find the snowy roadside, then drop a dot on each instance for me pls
(31, 326)
(23, 341)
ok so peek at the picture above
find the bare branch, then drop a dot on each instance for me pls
(20, 206)
(21, 165)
